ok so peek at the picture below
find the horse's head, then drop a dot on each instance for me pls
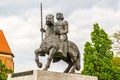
(49, 19)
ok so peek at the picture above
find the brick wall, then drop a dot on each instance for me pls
(7, 60)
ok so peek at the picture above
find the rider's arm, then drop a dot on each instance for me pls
(65, 30)
(42, 30)
(56, 29)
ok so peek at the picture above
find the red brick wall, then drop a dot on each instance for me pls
(8, 61)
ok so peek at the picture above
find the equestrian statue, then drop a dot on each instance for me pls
(56, 45)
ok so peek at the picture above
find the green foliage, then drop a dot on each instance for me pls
(116, 61)
(4, 71)
(116, 40)
(98, 56)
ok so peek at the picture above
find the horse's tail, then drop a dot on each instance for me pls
(78, 61)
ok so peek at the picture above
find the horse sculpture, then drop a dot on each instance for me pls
(50, 46)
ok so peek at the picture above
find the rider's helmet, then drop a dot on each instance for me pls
(49, 19)
(59, 16)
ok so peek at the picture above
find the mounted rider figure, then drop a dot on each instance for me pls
(49, 32)
(61, 29)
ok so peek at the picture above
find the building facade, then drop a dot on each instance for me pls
(5, 52)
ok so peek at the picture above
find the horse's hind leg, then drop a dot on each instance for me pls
(49, 59)
(39, 64)
(68, 68)
(69, 65)
(74, 65)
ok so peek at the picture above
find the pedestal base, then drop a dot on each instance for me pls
(47, 75)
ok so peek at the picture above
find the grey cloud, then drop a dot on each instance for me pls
(69, 6)
(13, 7)
(113, 4)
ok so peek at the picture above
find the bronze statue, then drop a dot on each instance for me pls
(51, 45)
(61, 29)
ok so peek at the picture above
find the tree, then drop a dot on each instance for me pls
(116, 40)
(4, 71)
(116, 61)
(98, 56)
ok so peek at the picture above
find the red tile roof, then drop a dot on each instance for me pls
(4, 47)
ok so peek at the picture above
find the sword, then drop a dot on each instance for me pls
(41, 20)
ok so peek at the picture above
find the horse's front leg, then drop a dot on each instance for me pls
(49, 59)
(39, 64)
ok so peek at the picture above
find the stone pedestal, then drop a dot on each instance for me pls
(47, 75)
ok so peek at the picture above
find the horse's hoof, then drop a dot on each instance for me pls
(65, 72)
(40, 65)
(44, 70)
(72, 71)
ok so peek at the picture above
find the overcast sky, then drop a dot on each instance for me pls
(20, 22)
